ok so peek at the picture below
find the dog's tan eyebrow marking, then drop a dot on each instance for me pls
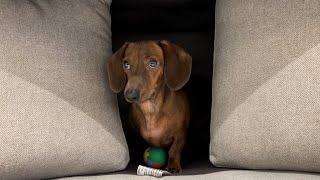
(150, 56)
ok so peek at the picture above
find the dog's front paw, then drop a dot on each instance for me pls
(174, 167)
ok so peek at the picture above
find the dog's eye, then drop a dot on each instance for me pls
(126, 65)
(153, 63)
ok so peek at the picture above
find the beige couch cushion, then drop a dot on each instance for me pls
(219, 175)
(57, 117)
(266, 87)
(223, 175)
(203, 172)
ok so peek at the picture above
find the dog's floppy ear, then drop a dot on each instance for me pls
(116, 76)
(177, 66)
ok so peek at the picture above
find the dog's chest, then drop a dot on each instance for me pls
(154, 130)
(156, 136)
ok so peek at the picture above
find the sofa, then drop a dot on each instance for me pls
(254, 88)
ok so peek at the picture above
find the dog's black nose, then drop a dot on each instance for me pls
(132, 95)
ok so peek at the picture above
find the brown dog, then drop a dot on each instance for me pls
(152, 74)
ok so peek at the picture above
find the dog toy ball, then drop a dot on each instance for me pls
(155, 157)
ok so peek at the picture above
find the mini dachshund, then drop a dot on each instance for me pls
(152, 73)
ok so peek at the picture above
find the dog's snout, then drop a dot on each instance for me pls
(132, 95)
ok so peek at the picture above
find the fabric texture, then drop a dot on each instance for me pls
(204, 170)
(215, 174)
(266, 85)
(220, 175)
(58, 117)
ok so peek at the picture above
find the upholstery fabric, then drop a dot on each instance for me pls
(266, 85)
(223, 175)
(204, 170)
(58, 117)
(215, 174)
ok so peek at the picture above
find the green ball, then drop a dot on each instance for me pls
(155, 157)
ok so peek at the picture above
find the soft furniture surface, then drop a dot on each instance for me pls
(266, 87)
(220, 175)
(58, 118)
(204, 171)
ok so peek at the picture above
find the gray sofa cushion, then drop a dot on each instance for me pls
(219, 175)
(58, 118)
(266, 101)
(204, 171)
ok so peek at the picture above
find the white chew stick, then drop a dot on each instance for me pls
(146, 171)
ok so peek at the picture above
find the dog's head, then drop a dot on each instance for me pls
(140, 68)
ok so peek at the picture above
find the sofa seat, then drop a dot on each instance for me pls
(205, 171)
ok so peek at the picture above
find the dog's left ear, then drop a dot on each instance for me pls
(177, 66)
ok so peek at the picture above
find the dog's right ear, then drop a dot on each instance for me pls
(116, 76)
